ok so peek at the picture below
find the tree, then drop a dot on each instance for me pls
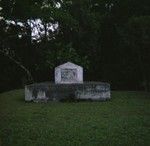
(138, 37)
(110, 37)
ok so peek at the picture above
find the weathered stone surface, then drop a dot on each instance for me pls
(56, 92)
(68, 85)
(68, 73)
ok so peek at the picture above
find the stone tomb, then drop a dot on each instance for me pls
(68, 73)
(68, 85)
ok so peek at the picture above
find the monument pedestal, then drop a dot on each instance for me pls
(95, 91)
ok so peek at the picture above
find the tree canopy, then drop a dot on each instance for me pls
(110, 39)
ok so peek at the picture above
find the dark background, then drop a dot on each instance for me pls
(110, 39)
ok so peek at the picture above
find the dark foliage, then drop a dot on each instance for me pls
(111, 40)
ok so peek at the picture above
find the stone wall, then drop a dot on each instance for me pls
(57, 92)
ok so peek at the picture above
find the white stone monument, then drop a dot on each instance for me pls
(68, 86)
(68, 73)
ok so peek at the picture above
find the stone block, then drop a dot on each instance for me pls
(96, 91)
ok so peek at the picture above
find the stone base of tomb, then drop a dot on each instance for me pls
(43, 92)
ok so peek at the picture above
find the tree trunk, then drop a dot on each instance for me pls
(29, 75)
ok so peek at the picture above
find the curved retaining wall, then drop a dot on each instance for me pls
(57, 92)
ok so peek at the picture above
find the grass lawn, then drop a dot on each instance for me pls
(122, 121)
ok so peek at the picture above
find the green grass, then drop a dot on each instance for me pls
(124, 120)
